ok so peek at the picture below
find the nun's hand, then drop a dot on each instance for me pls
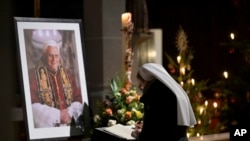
(137, 130)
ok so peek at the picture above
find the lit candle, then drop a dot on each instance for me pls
(182, 83)
(215, 104)
(206, 103)
(178, 59)
(225, 74)
(126, 19)
(182, 70)
(201, 110)
(192, 82)
(199, 121)
(205, 111)
(232, 36)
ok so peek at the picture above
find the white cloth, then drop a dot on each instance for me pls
(185, 112)
(46, 116)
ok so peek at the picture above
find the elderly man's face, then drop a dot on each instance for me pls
(53, 58)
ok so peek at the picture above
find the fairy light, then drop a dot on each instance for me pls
(199, 121)
(192, 81)
(201, 110)
(182, 70)
(178, 59)
(206, 103)
(225, 74)
(215, 105)
(232, 36)
(182, 83)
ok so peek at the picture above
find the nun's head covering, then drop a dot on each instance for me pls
(185, 114)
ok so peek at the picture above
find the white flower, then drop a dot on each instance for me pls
(130, 122)
(121, 111)
(117, 94)
(111, 122)
(97, 118)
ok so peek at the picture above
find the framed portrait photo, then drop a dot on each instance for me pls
(52, 72)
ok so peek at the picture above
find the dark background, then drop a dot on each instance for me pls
(207, 23)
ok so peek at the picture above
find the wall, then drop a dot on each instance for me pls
(101, 21)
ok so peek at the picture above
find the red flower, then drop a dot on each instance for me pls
(123, 90)
(109, 112)
(128, 115)
(129, 99)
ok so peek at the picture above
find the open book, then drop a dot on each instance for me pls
(121, 131)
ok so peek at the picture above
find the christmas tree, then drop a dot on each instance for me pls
(210, 109)
(237, 62)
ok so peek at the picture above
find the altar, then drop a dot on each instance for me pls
(100, 134)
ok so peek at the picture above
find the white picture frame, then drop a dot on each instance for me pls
(30, 35)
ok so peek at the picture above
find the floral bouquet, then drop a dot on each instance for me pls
(122, 106)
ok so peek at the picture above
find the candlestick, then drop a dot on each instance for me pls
(127, 31)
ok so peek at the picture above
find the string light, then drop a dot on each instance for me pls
(178, 59)
(225, 74)
(192, 81)
(201, 110)
(182, 70)
(232, 36)
(206, 103)
(215, 104)
(182, 83)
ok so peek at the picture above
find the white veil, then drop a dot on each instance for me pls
(185, 112)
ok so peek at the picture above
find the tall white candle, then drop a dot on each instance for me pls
(126, 19)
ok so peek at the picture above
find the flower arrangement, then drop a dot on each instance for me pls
(122, 106)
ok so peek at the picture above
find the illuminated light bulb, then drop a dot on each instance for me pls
(225, 74)
(206, 103)
(192, 81)
(182, 83)
(182, 70)
(178, 59)
(201, 110)
(232, 36)
(215, 104)
(199, 121)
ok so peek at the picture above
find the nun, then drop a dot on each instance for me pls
(167, 109)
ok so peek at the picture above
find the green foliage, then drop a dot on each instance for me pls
(122, 105)
(209, 109)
